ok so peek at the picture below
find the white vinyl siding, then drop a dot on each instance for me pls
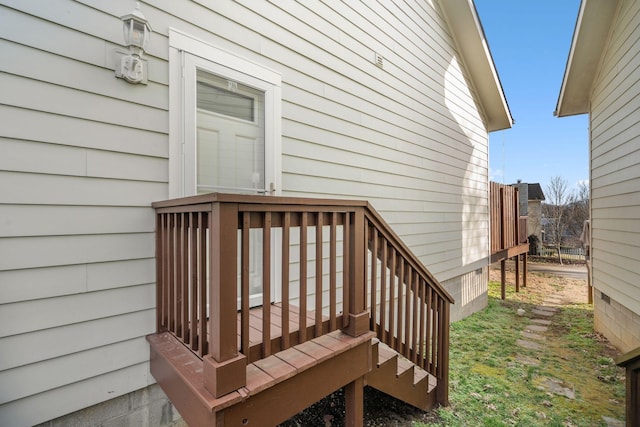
(615, 163)
(84, 154)
(352, 130)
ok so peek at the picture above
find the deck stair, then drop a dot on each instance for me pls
(401, 378)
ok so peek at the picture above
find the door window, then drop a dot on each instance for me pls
(225, 121)
(230, 136)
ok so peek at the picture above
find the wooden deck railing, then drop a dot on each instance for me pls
(319, 253)
(409, 309)
(508, 232)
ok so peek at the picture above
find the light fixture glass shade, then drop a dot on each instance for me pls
(136, 30)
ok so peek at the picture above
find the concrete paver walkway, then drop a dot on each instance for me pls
(533, 339)
(532, 343)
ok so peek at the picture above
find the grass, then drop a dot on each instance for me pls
(490, 386)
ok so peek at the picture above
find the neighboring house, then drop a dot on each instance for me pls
(602, 79)
(386, 102)
(531, 197)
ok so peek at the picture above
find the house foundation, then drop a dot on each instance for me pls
(145, 407)
(470, 291)
(620, 325)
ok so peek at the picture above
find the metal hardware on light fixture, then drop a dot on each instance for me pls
(136, 36)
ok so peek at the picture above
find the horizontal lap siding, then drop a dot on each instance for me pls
(615, 153)
(352, 130)
(83, 156)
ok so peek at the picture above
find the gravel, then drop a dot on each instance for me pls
(380, 410)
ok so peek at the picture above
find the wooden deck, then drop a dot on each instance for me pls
(508, 232)
(224, 363)
(256, 322)
(272, 393)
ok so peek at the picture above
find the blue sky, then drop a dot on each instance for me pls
(530, 42)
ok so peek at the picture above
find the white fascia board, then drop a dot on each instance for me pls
(590, 39)
(464, 23)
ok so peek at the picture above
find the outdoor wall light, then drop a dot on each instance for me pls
(137, 33)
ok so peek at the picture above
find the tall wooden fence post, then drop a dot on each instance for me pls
(224, 368)
(358, 316)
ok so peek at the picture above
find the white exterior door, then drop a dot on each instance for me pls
(226, 135)
(230, 151)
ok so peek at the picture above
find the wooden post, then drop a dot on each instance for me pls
(524, 270)
(633, 395)
(354, 403)
(503, 278)
(224, 368)
(517, 259)
(589, 286)
(358, 316)
(631, 362)
(503, 230)
(160, 260)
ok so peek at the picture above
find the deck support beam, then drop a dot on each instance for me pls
(517, 260)
(354, 404)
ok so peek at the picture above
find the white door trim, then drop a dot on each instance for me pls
(185, 54)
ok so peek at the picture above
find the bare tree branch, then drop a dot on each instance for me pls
(564, 212)
(557, 197)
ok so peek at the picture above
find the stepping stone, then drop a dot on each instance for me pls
(530, 345)
(536, 328)
(612, 422)
(532, 336)
(557, 386)
(541, 322)
(554, 305)
(543, 313)
(526, 360)
(546, 308)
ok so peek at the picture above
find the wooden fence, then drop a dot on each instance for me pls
(508, 231)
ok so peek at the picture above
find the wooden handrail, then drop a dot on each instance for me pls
(326, 253)
(409, 308)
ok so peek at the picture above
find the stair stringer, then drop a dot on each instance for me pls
(400, 378)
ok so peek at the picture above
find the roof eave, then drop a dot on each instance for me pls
(463, 20)
(587, 47)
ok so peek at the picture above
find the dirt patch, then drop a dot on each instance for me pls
(569, 291)
(380, 410)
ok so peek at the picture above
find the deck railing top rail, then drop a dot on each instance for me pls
(255, 199)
